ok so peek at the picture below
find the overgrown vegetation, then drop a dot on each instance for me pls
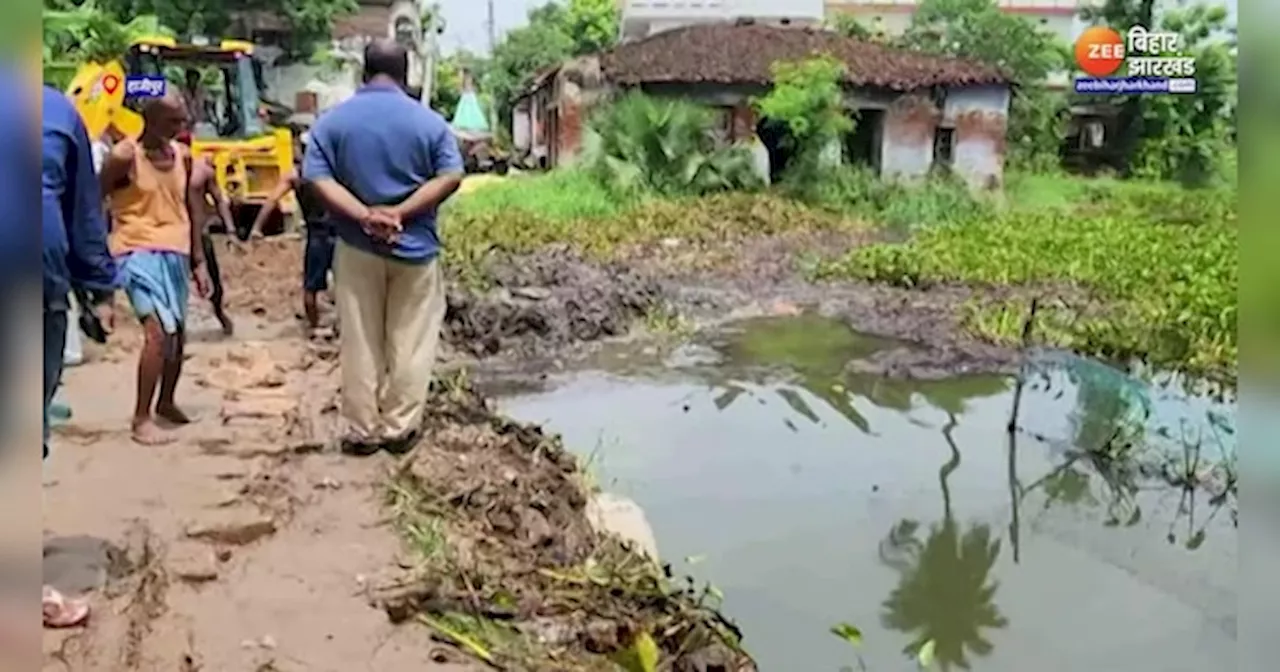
(571, 208)
(1144, 273)
(666, 147)
(808, 97)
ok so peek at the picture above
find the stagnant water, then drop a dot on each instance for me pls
(812, 498)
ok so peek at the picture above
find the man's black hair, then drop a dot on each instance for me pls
(388, 58)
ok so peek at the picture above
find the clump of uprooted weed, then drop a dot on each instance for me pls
(511, 569)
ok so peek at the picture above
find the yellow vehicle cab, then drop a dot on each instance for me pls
(230, 129)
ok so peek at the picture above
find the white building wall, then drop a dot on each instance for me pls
(979, 115)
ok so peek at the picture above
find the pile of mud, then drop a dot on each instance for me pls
(511, 570)
(263, 277)
(546, 300)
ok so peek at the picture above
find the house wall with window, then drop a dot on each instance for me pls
(914, 113)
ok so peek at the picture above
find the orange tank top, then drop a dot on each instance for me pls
(150, 213)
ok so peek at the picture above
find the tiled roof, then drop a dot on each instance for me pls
(729, 53)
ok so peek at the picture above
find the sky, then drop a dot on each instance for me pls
(467, 28)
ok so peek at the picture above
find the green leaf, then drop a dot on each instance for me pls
(848, 633)
(925, 656)
(641, 656)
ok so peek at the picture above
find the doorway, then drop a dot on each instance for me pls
(776, 137)
(862, 146)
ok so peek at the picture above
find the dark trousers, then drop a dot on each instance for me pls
(215, 275)
(55, 342)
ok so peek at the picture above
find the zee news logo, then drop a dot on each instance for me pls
(143, 86)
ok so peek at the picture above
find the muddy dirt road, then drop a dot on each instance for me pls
(226, 550)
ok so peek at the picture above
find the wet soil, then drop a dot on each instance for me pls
(539, 304)
(511, 553)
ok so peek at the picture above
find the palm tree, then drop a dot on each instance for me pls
(945, 595)
(666, 146)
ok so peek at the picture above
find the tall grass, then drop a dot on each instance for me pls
(859, 192)
(558, 195)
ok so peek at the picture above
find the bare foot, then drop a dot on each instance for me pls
(60, 612)
(172, 413)
(146, 432)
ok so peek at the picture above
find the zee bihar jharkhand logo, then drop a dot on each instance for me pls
(1101, 52)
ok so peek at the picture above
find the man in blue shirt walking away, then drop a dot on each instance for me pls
(383, 163)
(75, 256)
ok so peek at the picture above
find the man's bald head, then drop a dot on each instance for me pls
(167, 103)
(164, 117)
(386, 58)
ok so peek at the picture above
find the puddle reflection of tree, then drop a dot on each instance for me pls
(945, 594)
(815, 351)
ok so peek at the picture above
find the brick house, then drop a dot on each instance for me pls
(914, 111)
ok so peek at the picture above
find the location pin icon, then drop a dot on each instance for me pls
(110, 83)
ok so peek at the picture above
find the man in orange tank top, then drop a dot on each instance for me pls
(157, 247)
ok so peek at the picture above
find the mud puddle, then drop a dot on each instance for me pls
(813, 496)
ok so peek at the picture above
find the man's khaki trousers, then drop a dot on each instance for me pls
(390, 313)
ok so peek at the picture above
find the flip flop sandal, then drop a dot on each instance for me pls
(59, 612)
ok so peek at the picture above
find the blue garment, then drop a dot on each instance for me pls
(156, 283)
(74, 231)
(382, 146)
(317, 259)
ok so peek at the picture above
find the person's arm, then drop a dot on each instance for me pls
(221, 202)
(117, 168)
(273, 200)
(89, 260)
(446, 159)
(318, 170)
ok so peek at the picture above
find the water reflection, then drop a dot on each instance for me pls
(786, 529)
(813, 351)
(945, 594)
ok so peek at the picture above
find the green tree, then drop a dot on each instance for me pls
(1179, 137)
(86, 34)
(593, 25)
(979, 30)
(850, 25)
(310, 21)
(554, 33)
(808, 96)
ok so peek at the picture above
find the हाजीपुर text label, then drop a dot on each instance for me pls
(143, 86)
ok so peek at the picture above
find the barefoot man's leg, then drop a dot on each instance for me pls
(150, 370)
(156, 283)
(174, 353)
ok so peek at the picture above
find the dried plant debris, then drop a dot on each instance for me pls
(510, 571)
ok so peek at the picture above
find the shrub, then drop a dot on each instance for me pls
(665, 147)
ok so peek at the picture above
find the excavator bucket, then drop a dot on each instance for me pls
(98, 92)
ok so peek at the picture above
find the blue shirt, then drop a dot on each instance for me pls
(75, 231)
(382, 146)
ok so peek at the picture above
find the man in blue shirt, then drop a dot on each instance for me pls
(383, 163)
(75, 257)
